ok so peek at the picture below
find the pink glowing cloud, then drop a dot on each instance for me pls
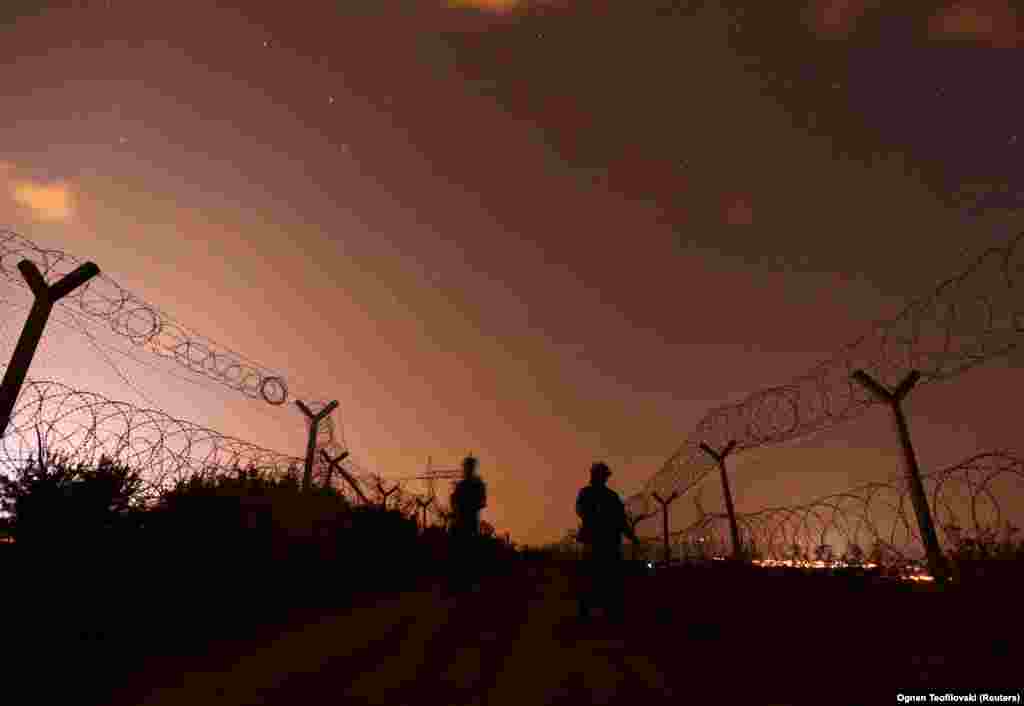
(43, 201)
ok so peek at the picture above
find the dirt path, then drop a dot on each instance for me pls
(515, 642)
(556, 660)
(696, 638)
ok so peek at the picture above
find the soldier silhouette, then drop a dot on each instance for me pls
(604, 522)
(468, 499)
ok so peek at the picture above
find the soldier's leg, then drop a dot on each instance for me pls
(456, 569)
(585, 582)
(466, 560)
(474, 562)
(602, 575)
(617, 585)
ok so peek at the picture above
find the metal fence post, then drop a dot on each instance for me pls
(385, 494)
(46, 295)
(737, 548)
(894, 398)
(664, 520)
(336, 464)
(423, 505)
(332, 464)
(314, 425)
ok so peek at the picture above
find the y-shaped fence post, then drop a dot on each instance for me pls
(737, 549)
(423, 505)
(385, 495)
(314, 425)
(894, 398)
(446, 518)
(46, 296)
(664, 520)
(335, 464)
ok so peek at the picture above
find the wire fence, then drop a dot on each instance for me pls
(163, 448)
(874, 521)
(146, 327)
(967, 320)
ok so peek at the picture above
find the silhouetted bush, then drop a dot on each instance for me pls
(552, 552)
(381, 547)
(246, 520)
(251, 524)
(52, 504)
(984, 555)
(497, 555)
(209, 550)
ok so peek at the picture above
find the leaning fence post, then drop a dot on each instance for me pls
(46, 295)
(894, 398)
(335, 463)
(332, 463)
(737, 549)
(664, 520)
(314, 425)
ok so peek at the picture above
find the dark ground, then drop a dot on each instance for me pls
(694, 635)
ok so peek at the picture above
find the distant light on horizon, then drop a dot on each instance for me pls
(486, 5)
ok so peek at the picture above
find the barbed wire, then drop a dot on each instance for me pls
(877, 518)
(85, 425)
(73, 322)
(104, 301)
(163, 449)
(967, 320)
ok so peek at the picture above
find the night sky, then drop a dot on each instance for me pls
(545, 233)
